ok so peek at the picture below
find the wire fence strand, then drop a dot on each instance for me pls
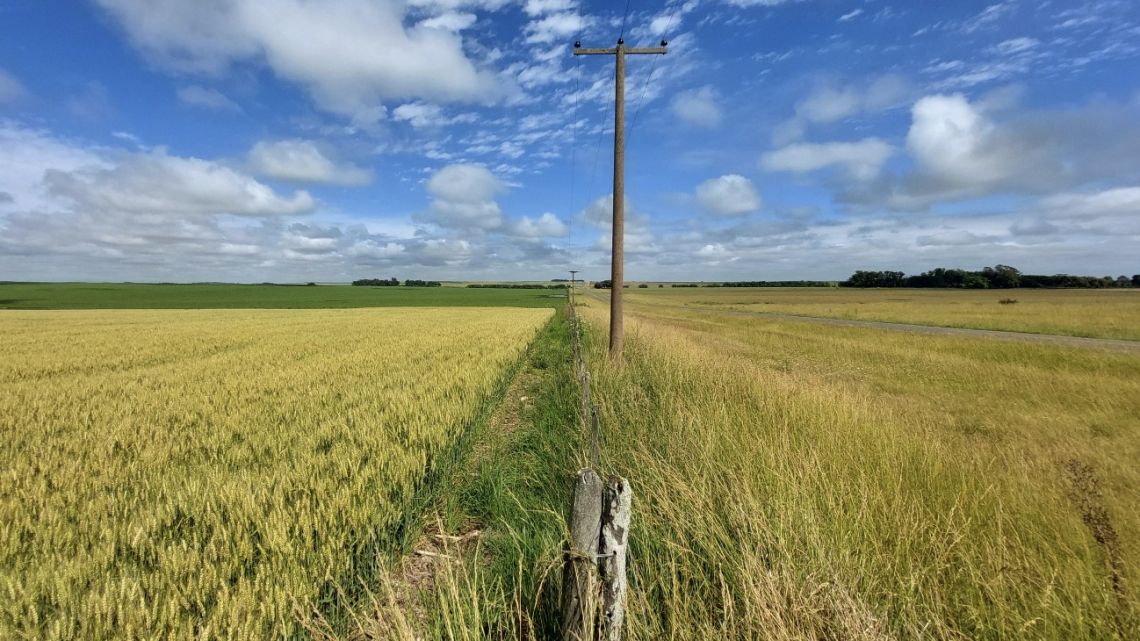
(588, 411)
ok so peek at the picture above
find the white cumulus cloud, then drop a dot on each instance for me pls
(541, 7)
(158, 184)
(302, 161)
(862, 160)
(545, 226)
(449, 21)
(951, 139)
(554, 27)
(832, 101)
(698, 107)
(351, 55)
(729, 195)
(464, 198)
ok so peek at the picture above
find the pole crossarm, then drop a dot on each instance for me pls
(627, 50)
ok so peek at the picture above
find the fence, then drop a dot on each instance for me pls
(594, 584)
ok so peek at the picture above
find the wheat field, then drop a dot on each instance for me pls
(219, 474)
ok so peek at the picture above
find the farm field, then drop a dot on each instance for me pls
(1090, 313)
(223, 473)
(798, 481)
(223, 296)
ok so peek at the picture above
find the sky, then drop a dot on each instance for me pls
(329, 140)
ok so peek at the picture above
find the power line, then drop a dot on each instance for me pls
(573, 159)
(652, 70)
(574, 134)
(598, 148)
(623, 19)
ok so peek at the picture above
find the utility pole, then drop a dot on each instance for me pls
(572, 281)
(617, 263)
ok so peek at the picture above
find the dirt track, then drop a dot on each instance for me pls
(1052, 339)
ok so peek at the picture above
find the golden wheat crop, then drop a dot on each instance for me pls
(211, 474)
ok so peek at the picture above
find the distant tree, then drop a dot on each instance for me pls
(376, 282)
(997, 277)
(1002, 276)
(863, 278)
(973, 280)
(875, 279)
(603, 284)
(1136, 280)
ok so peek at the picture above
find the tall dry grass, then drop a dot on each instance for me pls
(798, 482)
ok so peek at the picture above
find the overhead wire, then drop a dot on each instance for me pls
(602, 128)
(652, 70)
(623, 20)
(575, 126)
(573, 154)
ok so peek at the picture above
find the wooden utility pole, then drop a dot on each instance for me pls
(617, 262)
(573, 272)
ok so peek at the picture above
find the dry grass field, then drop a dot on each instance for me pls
(224, 473)
(798, 481)
(1103, 313)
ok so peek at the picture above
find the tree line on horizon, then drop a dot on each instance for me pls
(394, 282)
(517, 286)
(996, 277)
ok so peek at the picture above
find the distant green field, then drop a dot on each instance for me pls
(140, 296)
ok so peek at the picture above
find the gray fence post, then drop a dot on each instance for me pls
(579, 580)
(616, 507)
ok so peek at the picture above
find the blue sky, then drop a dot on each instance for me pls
(296, 140)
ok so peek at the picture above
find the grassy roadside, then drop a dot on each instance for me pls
(820, 485)
(483, 561)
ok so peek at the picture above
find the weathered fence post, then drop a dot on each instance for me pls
(579, 581)
(616, 506)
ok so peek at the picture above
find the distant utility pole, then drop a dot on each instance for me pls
(617, 263)
(572, 281)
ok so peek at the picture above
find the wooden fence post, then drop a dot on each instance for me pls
(616, 507)
(579, 581)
